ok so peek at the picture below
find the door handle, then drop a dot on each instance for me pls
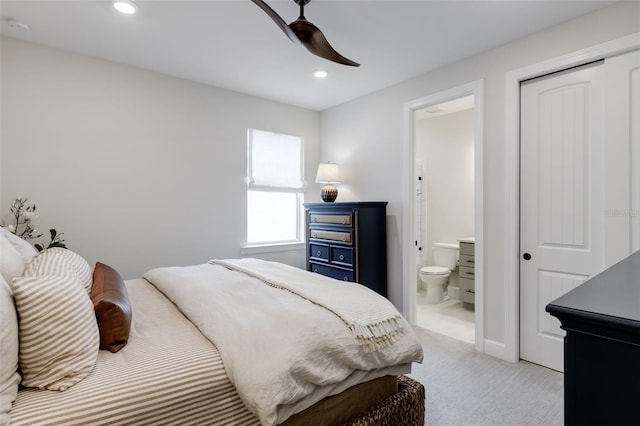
(526, 256)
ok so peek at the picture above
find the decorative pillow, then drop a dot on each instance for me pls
(60, 261)
(11, 263)
(111, 303)
(57, 329)
(9, 377)
(26, 250)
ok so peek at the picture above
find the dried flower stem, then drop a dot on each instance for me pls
(22, 216)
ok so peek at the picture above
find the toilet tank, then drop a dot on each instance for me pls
(446, 254)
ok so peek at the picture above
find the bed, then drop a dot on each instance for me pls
(199, 350)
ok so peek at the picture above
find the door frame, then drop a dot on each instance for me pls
(512, 172)
(409, 274)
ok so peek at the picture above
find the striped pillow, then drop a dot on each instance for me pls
(57, 330)
(60, 261)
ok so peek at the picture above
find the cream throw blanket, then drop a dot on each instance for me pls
(281, 351)
(370, 318)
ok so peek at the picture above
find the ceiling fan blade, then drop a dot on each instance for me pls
(312, 38)
(278, 20)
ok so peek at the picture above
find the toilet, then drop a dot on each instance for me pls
(436, 278)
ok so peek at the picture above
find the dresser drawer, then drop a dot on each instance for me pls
(318, 234)
(466, 248)
(339, 219)
(319, 252)
(467, 272)
(342, 256)
(338, 274)
(467, 290)
(467, 260)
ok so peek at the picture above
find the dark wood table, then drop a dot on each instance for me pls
(602, 347)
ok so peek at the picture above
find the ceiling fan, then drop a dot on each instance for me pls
(304, 32)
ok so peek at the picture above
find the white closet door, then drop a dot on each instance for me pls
(580, 189)
(562, 200)
(623, 156)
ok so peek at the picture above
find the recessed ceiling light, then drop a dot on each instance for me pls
(125, 6)
(320, 74)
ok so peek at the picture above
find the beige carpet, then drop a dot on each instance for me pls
(465, 387)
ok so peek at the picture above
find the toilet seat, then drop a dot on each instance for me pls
(434, 270)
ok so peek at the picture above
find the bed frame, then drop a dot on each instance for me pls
(405, 408)
(386, 401)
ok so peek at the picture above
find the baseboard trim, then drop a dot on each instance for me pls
(496, 349)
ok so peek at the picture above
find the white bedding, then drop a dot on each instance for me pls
(282, 352)
(371, 319)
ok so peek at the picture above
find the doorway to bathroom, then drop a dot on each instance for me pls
(418, 200)
(444, 139)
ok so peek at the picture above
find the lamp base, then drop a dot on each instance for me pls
(329, 193)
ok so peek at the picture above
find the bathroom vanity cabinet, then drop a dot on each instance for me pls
(348, 242)
(602, 346)
(467, 272)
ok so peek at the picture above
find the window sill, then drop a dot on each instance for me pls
(272, 248)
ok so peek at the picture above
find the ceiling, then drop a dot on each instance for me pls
(234, 45)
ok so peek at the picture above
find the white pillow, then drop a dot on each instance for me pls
(9, 377)
(58, 332)
(60, 261)
(26, 250)
(11, 263)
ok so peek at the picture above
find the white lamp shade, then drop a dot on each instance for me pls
(328, 173)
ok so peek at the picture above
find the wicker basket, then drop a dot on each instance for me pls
(405, 408)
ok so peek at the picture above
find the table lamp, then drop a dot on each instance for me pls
(328, 173)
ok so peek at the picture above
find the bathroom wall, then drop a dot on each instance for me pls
(444, 146)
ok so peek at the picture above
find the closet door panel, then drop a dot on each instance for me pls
(623, 156)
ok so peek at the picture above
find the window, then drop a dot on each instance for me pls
(275, 191)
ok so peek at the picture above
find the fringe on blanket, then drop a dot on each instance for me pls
(374, 336)
(379, 335)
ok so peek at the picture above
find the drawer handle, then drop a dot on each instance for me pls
(344, 220)
(314, 219)
(344, 239)
(470, 273)
(315, 269)
(470, 291)
(314, 235)
(346, 278)
(319, 253)
(341, 257)
(470, 261)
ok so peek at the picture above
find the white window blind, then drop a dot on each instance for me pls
(275, 161)
(275, 168)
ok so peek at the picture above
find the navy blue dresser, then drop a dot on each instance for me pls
(348, 242)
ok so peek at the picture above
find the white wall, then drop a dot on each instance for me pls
(444, 145)
(138, 169)
(366, 135)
